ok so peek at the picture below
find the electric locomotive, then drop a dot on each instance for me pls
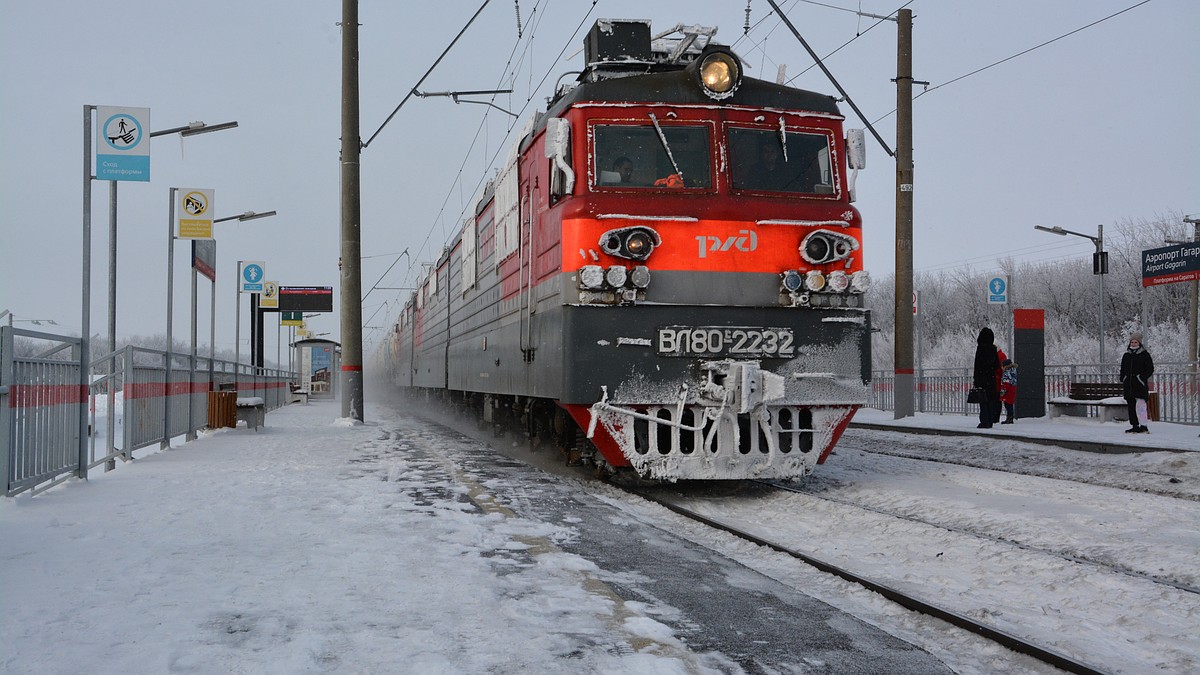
(667, 264)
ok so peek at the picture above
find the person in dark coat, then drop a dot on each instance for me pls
(987, 364)
(1136, 368)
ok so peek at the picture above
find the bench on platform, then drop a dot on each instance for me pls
(253, 411)
(1108, 399)
(297, 395)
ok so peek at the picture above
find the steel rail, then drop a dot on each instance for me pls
(1008, 640)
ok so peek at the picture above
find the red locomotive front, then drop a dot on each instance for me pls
(673, 260)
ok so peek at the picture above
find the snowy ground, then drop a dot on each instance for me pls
(318, 545)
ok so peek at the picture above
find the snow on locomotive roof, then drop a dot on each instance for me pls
(625, 63)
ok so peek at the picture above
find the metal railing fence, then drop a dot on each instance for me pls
(149, 396)
(944, 390)
(41, 413)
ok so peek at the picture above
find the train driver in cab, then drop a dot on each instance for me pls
(624, 166)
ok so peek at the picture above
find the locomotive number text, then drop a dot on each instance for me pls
(726, 341)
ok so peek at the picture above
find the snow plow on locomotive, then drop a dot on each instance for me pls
(668, 264)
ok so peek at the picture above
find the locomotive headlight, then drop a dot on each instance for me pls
(817, 249)
(591, 277)
(718, 72)
(632, 243)
(615, 276)
(860, 282)
(814, 281)
(825, 246)
(639, 244)
(640, 276)
(838, 281)
(792, 281)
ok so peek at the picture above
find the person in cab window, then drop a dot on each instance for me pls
(624, 166)
(769, 172)
(797, 173)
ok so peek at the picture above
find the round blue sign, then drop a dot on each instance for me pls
(122, 132)
(997, 285)
(252, 273)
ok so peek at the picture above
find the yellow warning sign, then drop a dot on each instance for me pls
(195, 214)
(269, 298)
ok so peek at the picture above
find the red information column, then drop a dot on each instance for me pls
(1029, 337)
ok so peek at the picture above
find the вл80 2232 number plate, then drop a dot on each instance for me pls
(726, 341)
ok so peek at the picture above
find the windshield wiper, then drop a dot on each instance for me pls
(663, 139)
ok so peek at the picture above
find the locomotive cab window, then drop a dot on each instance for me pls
(773, 161)
(637, 156)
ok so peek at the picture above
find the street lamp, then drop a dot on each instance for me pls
(212, 339)
(171, 282)
(1099, 267)
(192, 129)
(195, 129)
(212, 318)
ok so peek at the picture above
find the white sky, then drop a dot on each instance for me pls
(1091, 129)
(317, 545)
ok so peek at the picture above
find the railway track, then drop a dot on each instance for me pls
(1015, 643)
(971, 587)
(1066, 557)
(1101, 470)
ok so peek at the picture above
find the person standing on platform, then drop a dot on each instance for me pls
(1008, 390)
(1136, 368)
(987, 363)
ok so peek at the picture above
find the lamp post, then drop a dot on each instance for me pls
(212, 339)
(1099, 267)
(192, 129)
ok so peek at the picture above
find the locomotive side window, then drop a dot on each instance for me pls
(771, 161)
(636, 156)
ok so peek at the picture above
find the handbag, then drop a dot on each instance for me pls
(975, 395)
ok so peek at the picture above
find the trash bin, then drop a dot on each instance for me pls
(1152, 406)
(222, 409)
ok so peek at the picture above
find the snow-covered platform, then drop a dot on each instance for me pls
(1076, 433)
(326, 545)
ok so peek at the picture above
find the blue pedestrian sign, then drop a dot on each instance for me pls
(123, 143)
(250, 276)
(997, 291)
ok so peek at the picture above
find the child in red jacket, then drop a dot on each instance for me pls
(1008, 389)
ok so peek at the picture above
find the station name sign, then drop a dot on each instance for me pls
(1171, 264)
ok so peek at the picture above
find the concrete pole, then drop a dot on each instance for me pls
(904, 219)
(351, 275)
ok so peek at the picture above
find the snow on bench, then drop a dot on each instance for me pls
(252, 410)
